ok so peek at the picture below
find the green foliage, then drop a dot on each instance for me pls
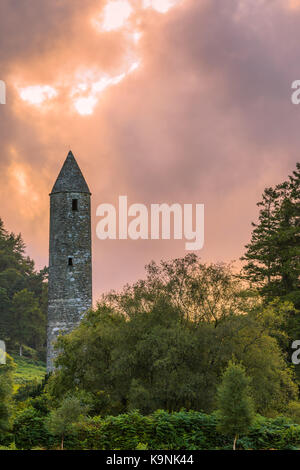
(140, 349)
(235, 405)
(28, 390)
(11, 446)
(202, 293)
(272, 258)
(28, 370)
(161, 346)
(23, 296)
(177, 431)
(293, 411)
(6, 391)
(28, 324)
(61, 420)
(161, 430)
(273, 254)
(141, 446)
(30, 430)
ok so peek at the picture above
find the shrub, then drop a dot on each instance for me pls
(30, 431)
(184, 430)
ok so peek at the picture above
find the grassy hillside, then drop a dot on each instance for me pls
(28, 370)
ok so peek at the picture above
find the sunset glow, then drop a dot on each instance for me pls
(19, 182)
(37, 94)
(20, 178)
(136, 36)
(115, 14)
(294, 4)
(162, 6)
(85, 105)
(84, 92)
(162, 100)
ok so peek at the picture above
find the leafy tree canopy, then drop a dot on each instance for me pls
(163, 343)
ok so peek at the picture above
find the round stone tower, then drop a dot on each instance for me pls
(70, 260)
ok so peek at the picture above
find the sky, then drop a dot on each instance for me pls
(165, 101)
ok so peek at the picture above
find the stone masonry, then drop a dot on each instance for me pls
(70, 261)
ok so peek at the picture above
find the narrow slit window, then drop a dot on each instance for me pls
(74, 204)
(70, 261)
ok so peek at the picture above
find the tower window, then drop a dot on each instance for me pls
(74, 204)
(70, 261)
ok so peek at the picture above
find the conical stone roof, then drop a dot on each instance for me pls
(70, 178)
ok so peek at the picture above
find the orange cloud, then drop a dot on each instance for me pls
(294, 4)
(161, 6)
(36, 95)
(114, 15)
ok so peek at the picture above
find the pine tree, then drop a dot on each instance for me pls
(273, 254)
(235, 405)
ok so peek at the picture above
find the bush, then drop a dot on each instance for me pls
(293, 411)
(30, 431)
(9, 447)
(159, 431)
(184, 430)
(179, 431)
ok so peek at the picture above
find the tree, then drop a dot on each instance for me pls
(138, 349)
(202, 293)
(28, 320)
(6, 391)
(61, 420)
(29, 429)
(273, 255)
(4, 314)
(17, 272)
(235, 405)
(293, 411)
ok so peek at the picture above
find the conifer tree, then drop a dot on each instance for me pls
(273, 254)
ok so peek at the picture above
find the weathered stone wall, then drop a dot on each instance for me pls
(70, 287)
